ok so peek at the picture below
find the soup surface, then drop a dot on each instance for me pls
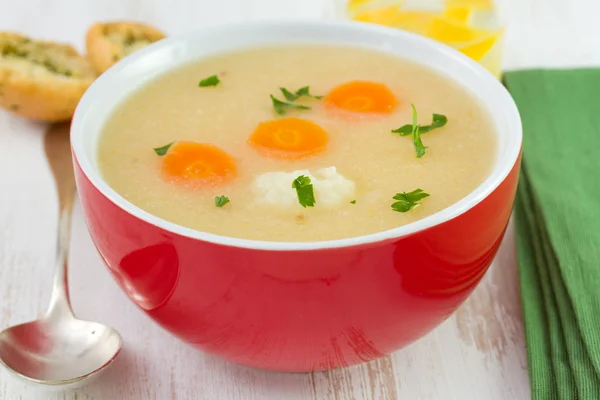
(372, 164)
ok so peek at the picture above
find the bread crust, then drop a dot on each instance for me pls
(41, 80)
(109, 42)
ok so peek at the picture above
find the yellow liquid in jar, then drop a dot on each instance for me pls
(473, 27)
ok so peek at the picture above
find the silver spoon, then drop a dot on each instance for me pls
(59, 349)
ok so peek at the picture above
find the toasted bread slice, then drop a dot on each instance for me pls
(41, 80)
(108, 42)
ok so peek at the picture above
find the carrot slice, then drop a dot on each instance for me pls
(362, 97)
(198, 163)
(289, 138)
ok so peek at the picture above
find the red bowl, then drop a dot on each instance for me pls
(297, 306)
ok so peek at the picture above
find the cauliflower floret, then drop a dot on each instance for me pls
(331, 188)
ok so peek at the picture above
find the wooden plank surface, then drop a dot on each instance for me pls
(478, 354)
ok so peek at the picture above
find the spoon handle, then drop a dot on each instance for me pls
(58, 152)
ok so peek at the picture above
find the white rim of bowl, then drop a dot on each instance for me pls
(494, 179)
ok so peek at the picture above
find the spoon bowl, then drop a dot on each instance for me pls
(62, 353)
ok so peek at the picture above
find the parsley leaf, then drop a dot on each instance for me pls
(303, 91)
(210, 81)
(353, 202)
(304, 190)
(281, 106)
(416, 135)
(289, 96)
(407, 201)
(220, 201)
(161, 151)
(404, 130)
(439, 120)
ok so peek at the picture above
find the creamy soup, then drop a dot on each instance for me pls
(212, 152)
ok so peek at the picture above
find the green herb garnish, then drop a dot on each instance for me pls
(304, 91)
(439, 120)
(416, 135)
(210, 81)
(353, 202)
(161, 151)
(129, 40)
(304, 190)
(12, 50)
(220, 201)
(407, 201)
(281, 106)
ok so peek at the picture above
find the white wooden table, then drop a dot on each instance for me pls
(478, 354)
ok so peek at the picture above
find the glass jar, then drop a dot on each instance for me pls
(474, 27)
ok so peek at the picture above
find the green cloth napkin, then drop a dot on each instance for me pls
(557, 216)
